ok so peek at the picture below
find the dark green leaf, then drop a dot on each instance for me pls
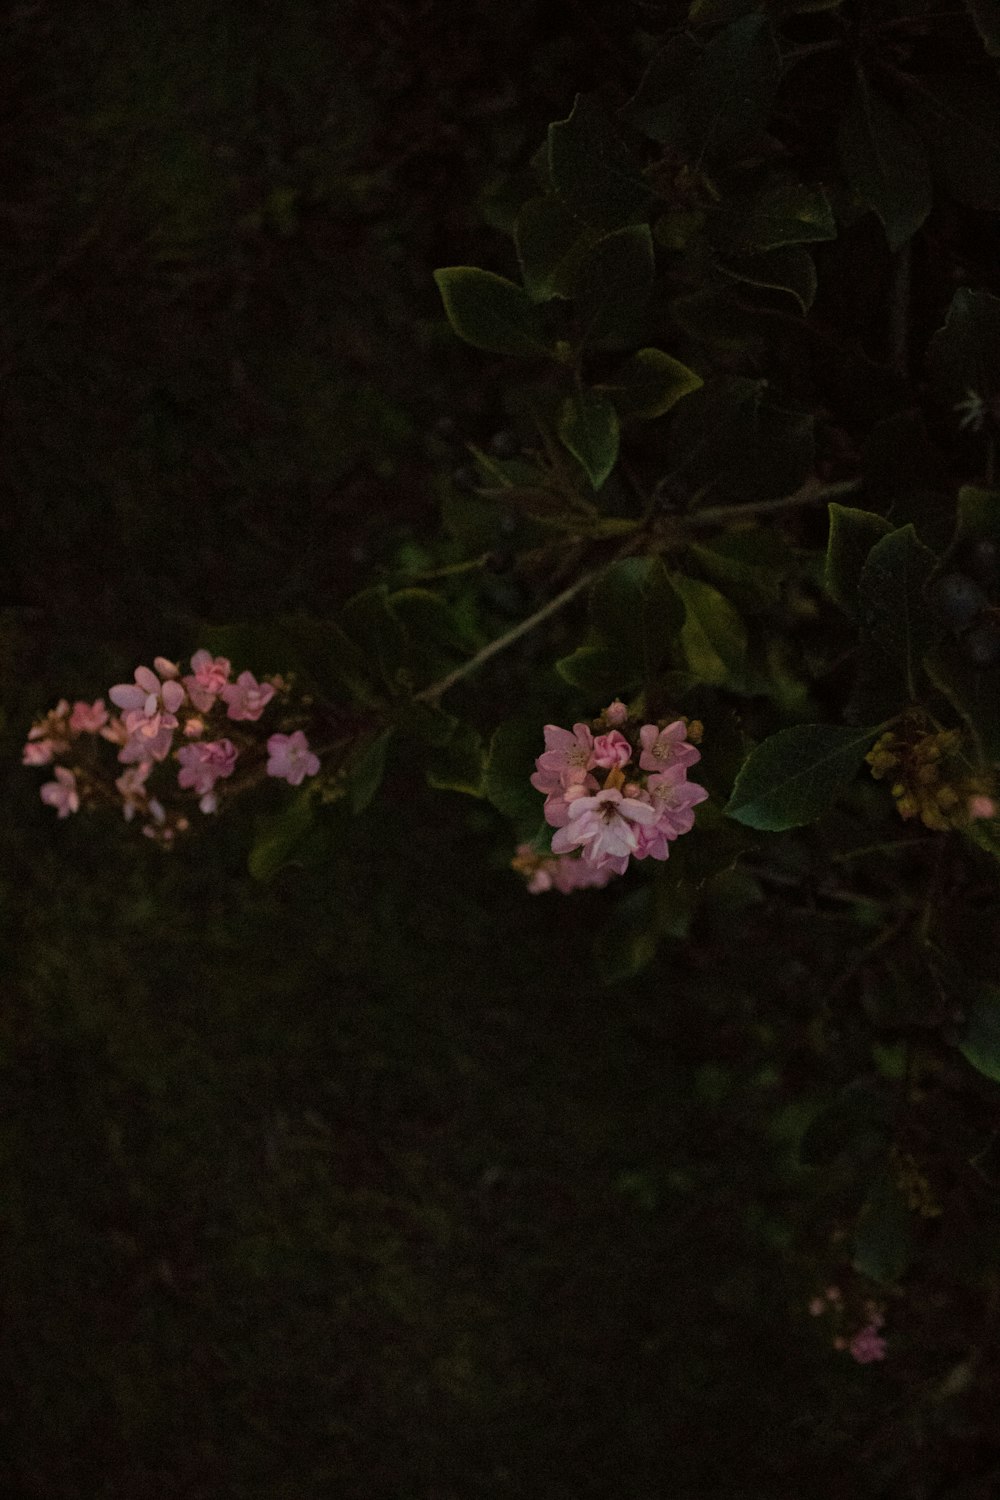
(649, 383)
(588, 428)
(959, 118)
(750, 566)
(713, 106)
(627, 941)
(612, 284)
(551, 244)
(883, 1242)
(426, 615)
(891, 601)
(365, 771)
(599, 671)
(490, 312)
(792, 778)
(885, 163)
(964, 356)
(637, 613)
(783, 212)
(856, 1123)
(735, 442)
(973, 692)
(980, 1042)
(279, 835)
(510, 764)
(978, 513)
(592, 169)
(713, 637)
(788, 269)
(457, 766)
(986, 19)
(369, 621)
(853, 534)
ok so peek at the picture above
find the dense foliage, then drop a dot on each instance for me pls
(720, 459)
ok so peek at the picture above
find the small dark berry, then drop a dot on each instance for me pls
(981, 645)
(957, 600)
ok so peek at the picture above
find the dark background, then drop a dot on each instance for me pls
(357, 1184)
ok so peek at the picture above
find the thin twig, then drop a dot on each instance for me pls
(809, 493)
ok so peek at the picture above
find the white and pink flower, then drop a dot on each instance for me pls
(290, 758)
(209, 675)
(246, 698)
(61, 793)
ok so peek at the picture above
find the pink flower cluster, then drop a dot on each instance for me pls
(867, 1346)
(616, 794)
(157, 706)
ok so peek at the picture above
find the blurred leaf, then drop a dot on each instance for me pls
(599, 671)
(891, 601)
(883, 1241)
(648, 384)
(791, 778)
(713, 636)
(551, 244)
(613, 282)
(788, 269)
(279, 834)
(491, 312)
(637, 613)
(457, 766)
(959, 118)
(588, 428)
(628, 940)
(986, 19)
(857, 1122)
(427, 616)
(365, 770)
(885, 163)
(514, 748)
(750, 565)
(781, 213)
(714, 104)
(853, 534)
(980, 1041)
(369, 620)
(734, 441)
(972, 691)
(592, 169)
(963, 357)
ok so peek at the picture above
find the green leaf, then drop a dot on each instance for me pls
(783, 212)
(370, 621)
(592, 168)
(490, 312)
(791, 778)
(588, 428)
(514, 748)
(885, 163)
(972, 691)
(599, 671)
(613, 282)
(978, 513)
(963, 357)
(649, 383)
(735, 442)
(551, 245)
(713, 637)
(857, 1122)
(711, 106)
(279, 835)
(980, 1041)
(883, 1241)
(853, 534)
(986, 19)
(750, 566)
(458, 765)
(628, 940)
(637, 613)
(365, 771)
(788, 269)
(426, 615)
(891, 603)
(959, 118)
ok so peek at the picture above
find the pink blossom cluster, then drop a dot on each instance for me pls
(867, 1345)
(614, 790)
(160, 706)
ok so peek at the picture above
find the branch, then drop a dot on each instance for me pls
(809, 493)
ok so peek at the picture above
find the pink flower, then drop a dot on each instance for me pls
(150, 705)
(557, 805)
(568, 756)
(131, 786)
(62, 793)
(88, 718)
(616, 714)
(53, 728)
(674, 798)
(289, 757)
(564, 874)
(604, 827)
(662, 748)
(867, 1345)
(612, 751)
(246, 698)
(38, 752)
(202, 765)
(981, 806)
(140, 747)
(210, 675)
